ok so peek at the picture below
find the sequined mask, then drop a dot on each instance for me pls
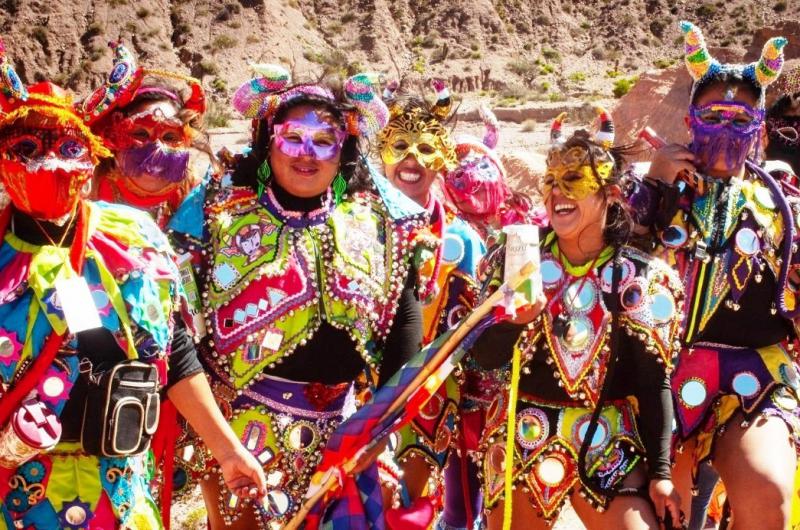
(309, 136)
(571, 171)
(724, 129)
(477, 182)
(151, 144)
(44, 169)
(427, 140)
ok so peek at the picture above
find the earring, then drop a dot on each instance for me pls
(339, 187)
(262, 176)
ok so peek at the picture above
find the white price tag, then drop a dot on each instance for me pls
(77, 303)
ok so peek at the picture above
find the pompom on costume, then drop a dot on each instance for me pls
(130, 272)
(280, 280)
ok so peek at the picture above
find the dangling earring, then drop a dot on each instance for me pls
(262, 176)
(339, 187)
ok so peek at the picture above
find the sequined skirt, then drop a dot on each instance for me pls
(285, 425)
(547, 440)
(713, 382)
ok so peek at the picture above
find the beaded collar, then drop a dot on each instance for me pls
(297, 219)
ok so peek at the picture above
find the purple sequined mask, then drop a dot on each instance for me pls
(156, 160)
(309, 136)
(724, 129)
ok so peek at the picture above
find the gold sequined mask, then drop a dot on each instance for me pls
(571, 170)
(427, 140)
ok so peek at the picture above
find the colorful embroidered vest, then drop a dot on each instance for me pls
(743, 221)
(133, 280)
(275, 275)
(450, 269)
(576, 326)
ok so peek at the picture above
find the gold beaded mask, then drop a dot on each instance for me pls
(571, 170)
(427, 140)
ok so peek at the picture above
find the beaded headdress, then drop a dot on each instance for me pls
(125, 82)
(704, 68)
(270, 89)
(46, 100)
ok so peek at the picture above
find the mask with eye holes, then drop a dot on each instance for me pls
(44, 170)
(47, 153)
(151, 144)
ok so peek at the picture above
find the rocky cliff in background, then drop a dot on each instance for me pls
(520, 51)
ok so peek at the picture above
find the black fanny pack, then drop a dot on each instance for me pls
(121, 410)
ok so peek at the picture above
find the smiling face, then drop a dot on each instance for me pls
(415, 147)
(570, 218)
(573, 190)
(306, 150)
(412, 178)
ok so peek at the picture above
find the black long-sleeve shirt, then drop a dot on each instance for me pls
(638, 373)
(330, 356)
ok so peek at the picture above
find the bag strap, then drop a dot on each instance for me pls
(614, 306)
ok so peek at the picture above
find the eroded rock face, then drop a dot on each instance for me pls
(524, 171)
(659, 100)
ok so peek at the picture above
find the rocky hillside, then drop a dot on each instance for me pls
(518, 51)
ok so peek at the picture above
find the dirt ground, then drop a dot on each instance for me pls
(190, 515)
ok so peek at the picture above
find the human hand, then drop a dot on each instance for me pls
(670, 162)
(529, 313)
(665, 498)
(243, 474)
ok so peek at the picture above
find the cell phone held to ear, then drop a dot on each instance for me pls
(693, 180)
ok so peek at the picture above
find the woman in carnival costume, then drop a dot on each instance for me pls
(477, 186)
(309, 282)
(91, 329)
(156, 135)
(593, 417)
(730, 230)
(161, 164)
(477, 193)
(416, 149)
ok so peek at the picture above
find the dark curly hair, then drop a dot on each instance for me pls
(352, 163)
